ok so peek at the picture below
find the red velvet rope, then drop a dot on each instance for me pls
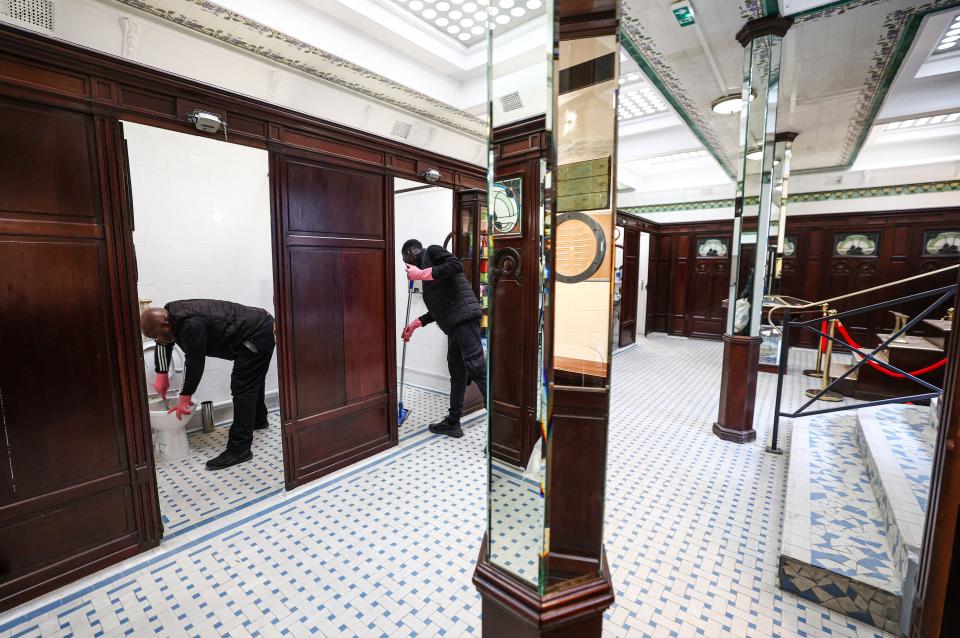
(823, 340)
(856, 350)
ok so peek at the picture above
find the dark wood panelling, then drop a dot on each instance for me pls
(708, 287)
(55, 295)
(341, 364)
(331, 201)
(513, 328)
(68, 499)
(814, 272)
(51, 179)
(317, 329)
(364, 336)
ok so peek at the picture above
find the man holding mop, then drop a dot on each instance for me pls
(451, 303)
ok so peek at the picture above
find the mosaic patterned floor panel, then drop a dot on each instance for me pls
(190, 495)
(387, 547)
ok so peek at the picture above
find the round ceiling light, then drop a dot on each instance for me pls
(755, 154)
(729, 104)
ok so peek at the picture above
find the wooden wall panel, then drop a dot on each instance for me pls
(68, 498)
(56, 183)
(629, 284)
(333, 201)
(812, 273)
(56, 299)
(364, 320)
(317, 347)
(340, 317)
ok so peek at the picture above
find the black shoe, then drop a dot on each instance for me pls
(228, 459)
(261, 426)
(446, 427)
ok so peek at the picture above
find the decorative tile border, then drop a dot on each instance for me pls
(215, 21)
(815, 196)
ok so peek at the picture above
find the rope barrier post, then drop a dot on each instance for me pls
(782, 363)
(818, 371)
(823, 394)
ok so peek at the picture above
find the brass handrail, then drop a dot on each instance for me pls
(818, 304)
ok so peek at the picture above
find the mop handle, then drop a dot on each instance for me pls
(403, 358)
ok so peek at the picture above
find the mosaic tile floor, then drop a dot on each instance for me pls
(387, 547)
(191, 496)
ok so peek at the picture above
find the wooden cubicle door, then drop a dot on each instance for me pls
(336, 314)
(629, 286)
(709, 286)
(77, 490)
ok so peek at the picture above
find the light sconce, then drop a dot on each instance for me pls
(207, 122)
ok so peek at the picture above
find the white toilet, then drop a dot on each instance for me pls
(169, 433)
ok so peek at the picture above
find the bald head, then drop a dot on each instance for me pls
(155, 324)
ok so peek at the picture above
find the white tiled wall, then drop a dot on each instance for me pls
(426, 215)
(202, 213)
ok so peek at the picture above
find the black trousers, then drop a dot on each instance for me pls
(466, 363)
(248, 385)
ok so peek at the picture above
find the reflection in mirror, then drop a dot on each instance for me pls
(585, 218)
(520, 95)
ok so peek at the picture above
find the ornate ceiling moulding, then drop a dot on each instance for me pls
(234, 29)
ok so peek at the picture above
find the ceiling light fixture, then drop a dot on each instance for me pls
(950, 41)
(730, 104)
(755, 154)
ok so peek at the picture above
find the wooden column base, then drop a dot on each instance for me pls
(511, 608)
(738, 389)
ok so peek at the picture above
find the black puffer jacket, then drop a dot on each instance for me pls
(449, 297)
(211, 328)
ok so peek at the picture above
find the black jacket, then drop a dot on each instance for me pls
(209, 328)
(449, 297)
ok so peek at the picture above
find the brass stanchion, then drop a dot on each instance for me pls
(949, 315)
(829, 395)
(818, 371)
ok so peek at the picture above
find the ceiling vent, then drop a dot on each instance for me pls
(36, 13)
(511, 102)
(401, 129)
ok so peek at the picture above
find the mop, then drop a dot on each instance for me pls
(403, 413)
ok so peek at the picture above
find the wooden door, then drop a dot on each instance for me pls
(709, 286)
(336, 315)
(77, 489)
(629, 286)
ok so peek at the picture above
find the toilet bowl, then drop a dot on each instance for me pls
(169, 433)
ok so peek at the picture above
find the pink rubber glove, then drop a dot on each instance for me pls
(161, 384)
(415, 274)
(408, 330)
(183, 407)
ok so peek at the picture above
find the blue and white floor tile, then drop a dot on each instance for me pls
(387, 547)
(191, 495)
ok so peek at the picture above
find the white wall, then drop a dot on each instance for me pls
(202, 214)
(426, 215)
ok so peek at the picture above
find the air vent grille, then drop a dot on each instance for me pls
(401, 129)
(38, 13)
(511, 102)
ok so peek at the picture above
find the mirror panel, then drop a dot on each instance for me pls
(520, 83)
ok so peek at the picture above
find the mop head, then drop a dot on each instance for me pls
(402, 415)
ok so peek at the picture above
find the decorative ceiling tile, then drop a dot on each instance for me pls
(229, 27)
